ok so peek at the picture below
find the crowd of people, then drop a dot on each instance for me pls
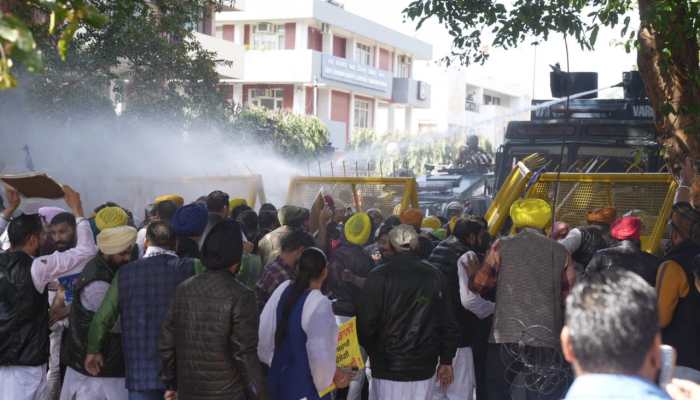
(213, 300)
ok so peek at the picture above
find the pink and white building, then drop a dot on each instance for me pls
(313, 57)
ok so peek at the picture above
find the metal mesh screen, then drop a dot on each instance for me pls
(646, 199)
(384, 196)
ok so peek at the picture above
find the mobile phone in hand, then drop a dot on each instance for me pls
(668, 365)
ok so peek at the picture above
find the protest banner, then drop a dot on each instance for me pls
(348, 355)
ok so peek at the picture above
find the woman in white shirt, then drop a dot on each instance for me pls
(298, 335)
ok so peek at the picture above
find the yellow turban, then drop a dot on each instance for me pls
(110, 217)
(177, 199)
(358, 228)
(531, 213)
(233, 203)
(431, 223)
(116, 240)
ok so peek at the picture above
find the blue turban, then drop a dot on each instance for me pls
(190, 220)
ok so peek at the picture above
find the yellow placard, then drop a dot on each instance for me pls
(348, 354)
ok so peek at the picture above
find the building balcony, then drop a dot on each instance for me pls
(471, 106)
(229, 56)
(279, 66)
(411, 92)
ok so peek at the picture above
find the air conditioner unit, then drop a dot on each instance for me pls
(325, 28)
(265, 27)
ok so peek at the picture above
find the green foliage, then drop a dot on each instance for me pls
(404, 151)
(17, 44)
(145, 54)
(473, 22)
(669, 64)
(362, 138)
(291, 135)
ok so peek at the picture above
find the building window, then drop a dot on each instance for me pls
(272, 99)
(470, 103)
(491, 100)
(267, 36)
(363, 54)
(403, 68)
(363, 114)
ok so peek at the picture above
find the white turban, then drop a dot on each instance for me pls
(116, 240)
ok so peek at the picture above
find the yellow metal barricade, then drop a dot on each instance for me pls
(361, 193)
(648, 195)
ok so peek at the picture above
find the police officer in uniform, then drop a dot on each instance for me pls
(473, 157)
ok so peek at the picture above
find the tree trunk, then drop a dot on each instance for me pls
(669, 80)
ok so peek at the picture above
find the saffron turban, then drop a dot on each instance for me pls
(177, 199)
(531, 213)
(358, 228)
(190, 220)
(602, 216)
(412, 216)
(627, 228)
(431, 223)
(112, 241)
(110, 217)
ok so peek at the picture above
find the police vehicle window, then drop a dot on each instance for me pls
(613, 159)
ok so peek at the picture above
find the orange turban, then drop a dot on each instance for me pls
(412, 216)
(602, 216)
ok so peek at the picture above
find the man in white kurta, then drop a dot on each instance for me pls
(19, 382)
(462, 388)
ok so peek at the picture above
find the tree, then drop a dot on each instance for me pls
(145, 54)
(667, 40)
(17, 45)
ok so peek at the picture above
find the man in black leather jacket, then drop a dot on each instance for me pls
(627, 254)
(208, 343)
(405, 323)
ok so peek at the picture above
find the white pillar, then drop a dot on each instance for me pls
(375, 112)
(376, 55)
(351, 120)
(301, 41)
(409, 119)
(237, 93)
(391, 126)
(350, 48)
(299, 103)
(395, 64)
(328, 42)
(315, 100)
(238, 32)
(324, 104)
